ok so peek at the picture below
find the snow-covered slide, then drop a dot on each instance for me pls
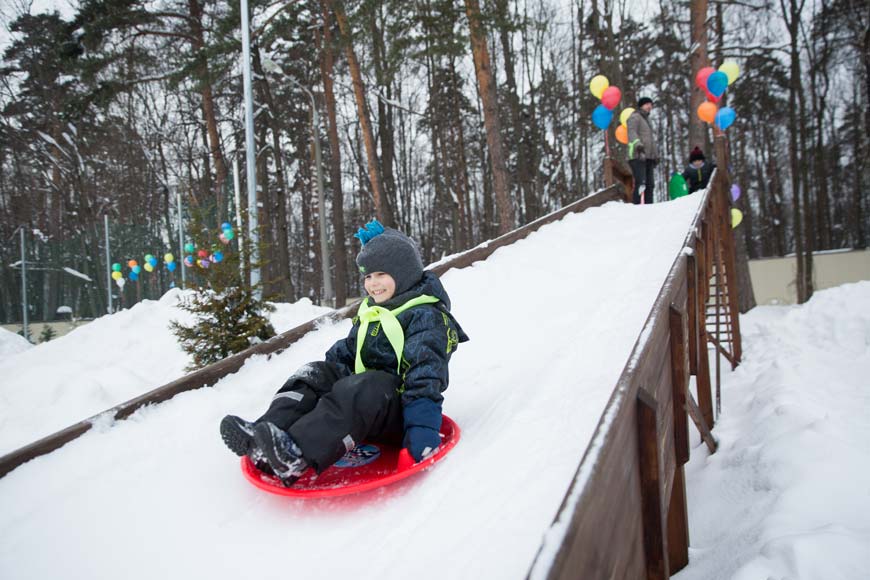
(552, 320)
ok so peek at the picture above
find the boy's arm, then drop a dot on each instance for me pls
(343, 352)
(428, 346)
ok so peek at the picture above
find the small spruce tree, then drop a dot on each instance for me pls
(229, 317)
(47, 333)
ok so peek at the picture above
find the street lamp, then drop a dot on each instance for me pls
(272, 67)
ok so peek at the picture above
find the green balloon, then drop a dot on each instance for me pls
(677, 186)
(189, 248)
(116, 267)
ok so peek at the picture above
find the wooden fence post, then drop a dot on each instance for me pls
(678, 513)
(654, 535)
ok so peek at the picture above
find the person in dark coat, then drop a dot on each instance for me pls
(369, 386)
(698, 172)
(642, 151)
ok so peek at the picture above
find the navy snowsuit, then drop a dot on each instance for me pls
(698, 177)
(327, 409)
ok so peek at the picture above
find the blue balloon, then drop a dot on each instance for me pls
(725, 117)
(717, 83)
(218, 256)
(134, 276)
(136, 269)
(226, 226)
(602, 116)
(153, 261)
(171, 266)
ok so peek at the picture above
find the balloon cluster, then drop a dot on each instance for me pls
(622, 130)
(609, 96)
(205, 258)
(736, 214)
(227, 233)
(714, 82)
(149, 264)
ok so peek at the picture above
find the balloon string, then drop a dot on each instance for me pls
(607, 142)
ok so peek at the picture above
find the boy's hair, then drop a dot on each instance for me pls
(391, 251)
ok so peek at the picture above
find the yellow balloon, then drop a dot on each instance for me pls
(625, 114)
(148, 267)
(598, 84)
(736, 217)
(731, 70)
(116, 275)
(168, 258)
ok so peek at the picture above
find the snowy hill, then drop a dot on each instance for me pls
(552, 320)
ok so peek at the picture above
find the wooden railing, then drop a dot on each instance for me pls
(625, 515)
(213, 373)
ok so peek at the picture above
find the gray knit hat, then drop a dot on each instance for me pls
(391, 251)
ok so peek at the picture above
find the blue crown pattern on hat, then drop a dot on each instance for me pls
(369, 231)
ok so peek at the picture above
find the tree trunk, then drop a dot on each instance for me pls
(486, 85)
(339, 246)
(385, 212)
(208, 104)
(698, 59)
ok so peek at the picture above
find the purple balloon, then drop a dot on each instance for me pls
(735, 192)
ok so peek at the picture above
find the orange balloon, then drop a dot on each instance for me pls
(622, 134)
(707, 112)
(132, 263)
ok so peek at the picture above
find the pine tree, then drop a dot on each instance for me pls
(47, 333)
(229, 316)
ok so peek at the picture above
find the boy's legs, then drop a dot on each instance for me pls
(300, 394)
(358, 407)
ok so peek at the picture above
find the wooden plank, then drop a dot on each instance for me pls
(698, 418)
(654, 534)
(692, 311)
(705, 393)
(678, 524)
(680, 384)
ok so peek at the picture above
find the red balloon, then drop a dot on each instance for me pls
(702, 75)
(711, 97)
(202, 254)
(610, 97)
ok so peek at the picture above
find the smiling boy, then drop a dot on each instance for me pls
(383, 381)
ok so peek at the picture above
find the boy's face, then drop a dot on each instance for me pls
(697, 163)
(380, 286)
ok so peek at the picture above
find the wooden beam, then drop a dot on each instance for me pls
(679, 383)
(678, 524)
(701, 424)
(654, 534)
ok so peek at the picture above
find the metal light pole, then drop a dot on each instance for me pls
(181, 237)
(108, 266)
(238, 198)
(328, 295)
(25, 326)
(251, 169)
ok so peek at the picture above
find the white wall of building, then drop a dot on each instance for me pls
(773, 279)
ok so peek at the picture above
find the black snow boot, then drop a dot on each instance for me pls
(238, 435)
(280, 451)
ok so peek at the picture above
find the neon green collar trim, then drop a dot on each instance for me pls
(390, 324)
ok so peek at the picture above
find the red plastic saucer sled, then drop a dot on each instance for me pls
(367, 466)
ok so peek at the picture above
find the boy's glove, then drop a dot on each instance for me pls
(422, 424)
(639, 151)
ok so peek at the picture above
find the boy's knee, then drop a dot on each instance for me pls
(371, 386)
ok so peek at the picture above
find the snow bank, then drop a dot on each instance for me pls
(99, 365)
(11, 343)
(787, 495)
